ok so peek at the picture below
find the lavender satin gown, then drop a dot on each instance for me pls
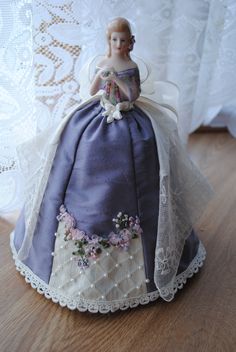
(100, 170)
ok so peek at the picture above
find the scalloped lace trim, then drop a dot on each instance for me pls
(103, 306)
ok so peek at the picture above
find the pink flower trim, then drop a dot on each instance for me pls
(90, 246)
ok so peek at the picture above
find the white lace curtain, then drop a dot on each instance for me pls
(43, 44)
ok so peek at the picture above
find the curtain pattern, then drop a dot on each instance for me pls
(17, 118)
(191, 43)
(57, 50)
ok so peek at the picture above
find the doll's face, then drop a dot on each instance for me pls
(120, 42)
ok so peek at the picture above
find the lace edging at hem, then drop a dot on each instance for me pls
(102, 306)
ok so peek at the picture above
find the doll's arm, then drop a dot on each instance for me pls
(96, 83)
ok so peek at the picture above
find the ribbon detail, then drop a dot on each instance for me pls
(113, 112)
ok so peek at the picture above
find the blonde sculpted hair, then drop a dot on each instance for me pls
(119, 24)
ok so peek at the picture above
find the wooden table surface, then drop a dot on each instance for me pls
(201, 318)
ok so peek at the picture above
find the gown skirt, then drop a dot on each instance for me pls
(99, 171)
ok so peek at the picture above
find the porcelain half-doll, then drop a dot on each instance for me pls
(112, 197)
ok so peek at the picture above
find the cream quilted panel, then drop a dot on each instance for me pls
(115, 274)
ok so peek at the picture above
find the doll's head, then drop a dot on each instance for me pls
(120, 25)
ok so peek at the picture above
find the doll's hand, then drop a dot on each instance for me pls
(108, 74)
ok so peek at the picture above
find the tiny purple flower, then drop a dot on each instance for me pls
(137, 221)
(83, 263)
(113, 239)
(76, 234)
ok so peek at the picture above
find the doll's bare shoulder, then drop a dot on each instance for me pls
(102, 63)
(133, 64)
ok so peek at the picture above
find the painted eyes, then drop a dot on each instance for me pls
(115, 39)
